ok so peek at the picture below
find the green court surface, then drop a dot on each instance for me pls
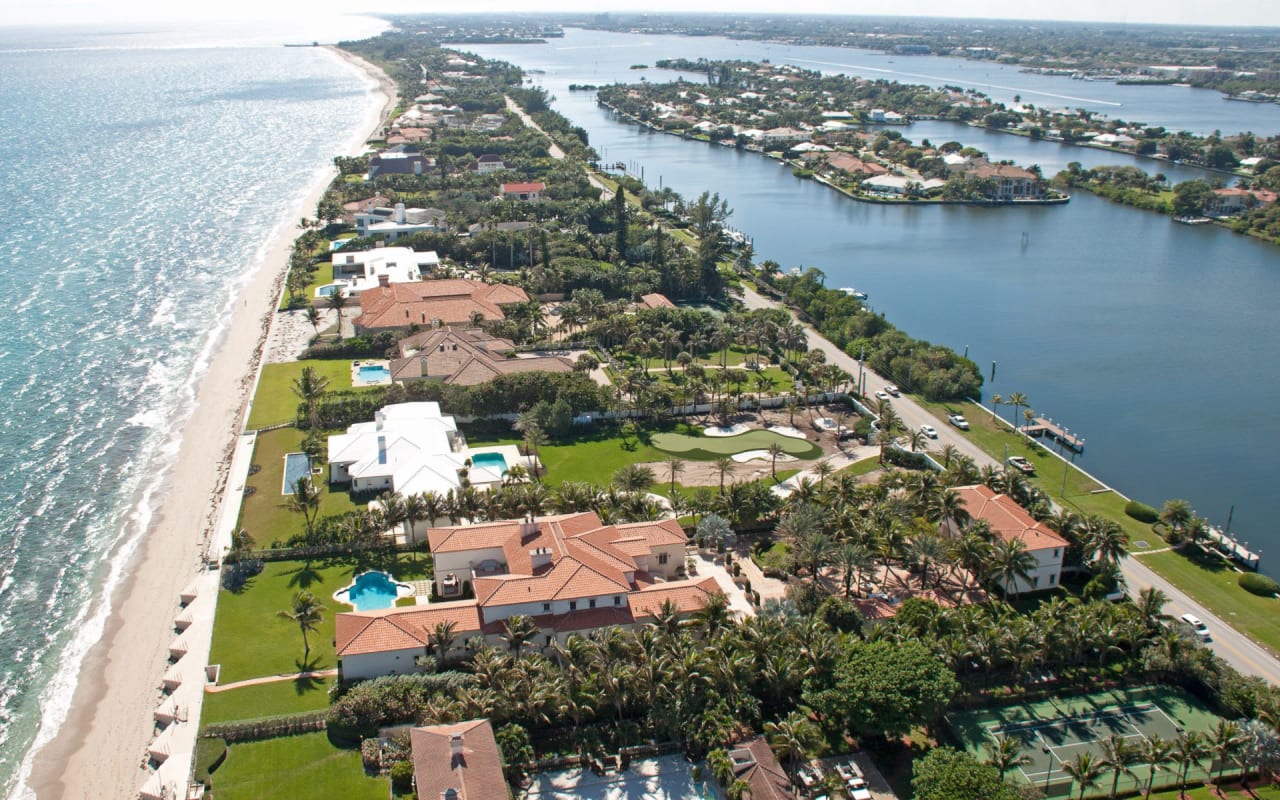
(710, 447)
(1058, 730)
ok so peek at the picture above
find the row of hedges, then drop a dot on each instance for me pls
(251, 730)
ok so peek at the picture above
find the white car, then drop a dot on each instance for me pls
(959, 421)
(929, 430)
(882, 395)
(1197, 627)
(893, 390)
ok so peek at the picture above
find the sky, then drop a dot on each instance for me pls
(1188, 12)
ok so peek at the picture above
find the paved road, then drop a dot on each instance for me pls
(1232, 646)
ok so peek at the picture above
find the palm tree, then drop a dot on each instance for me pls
(1155, 753)
(1176, 514)
(307, 613)
(1010, 562)
(675, 466)
(338, 301)
(823, 470)
(1150, 604)
(996, 402)
(1118, 755)
(314, 318)
(1007, 755)
(1188, 749)
(519, 630)
(310, 387)
(442, 639)
(632, 478)
(1223, 743)
(1085, 770)
(1107, 542)
(775, 450)
(305, 500)
(723, 465)
(1017, 400)
(792, 738)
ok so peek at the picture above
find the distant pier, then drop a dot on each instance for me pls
(1227, 545)
(1044, 428)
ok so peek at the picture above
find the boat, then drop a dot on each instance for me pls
(854, 293)
(1192, 220)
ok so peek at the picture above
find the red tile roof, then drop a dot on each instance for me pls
(523, 188)
(656, 300)
(463, 757)
(755, 763)
(1007, 519)
(450, 300)
(361, 632)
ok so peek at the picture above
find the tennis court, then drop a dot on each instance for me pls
(1058, 730)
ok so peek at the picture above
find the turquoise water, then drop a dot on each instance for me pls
(374, 373)
(143, 178)
(371, 591)
(326, 291)
(296, 466)
(491, 461)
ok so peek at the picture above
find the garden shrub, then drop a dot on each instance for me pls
(1141, 512)
(371, 755)
(402, 775)
(1259, 584)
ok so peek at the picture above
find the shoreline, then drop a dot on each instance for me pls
(99, 749)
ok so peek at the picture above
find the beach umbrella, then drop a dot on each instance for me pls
(178, 648)
(154, 789)
(159, 749)
(167, 711)
(172, 678)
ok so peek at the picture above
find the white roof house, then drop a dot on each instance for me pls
(896, 184)
(409, 448)
(381, 266)
(393, 223)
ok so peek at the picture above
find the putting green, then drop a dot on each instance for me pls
(711, 447)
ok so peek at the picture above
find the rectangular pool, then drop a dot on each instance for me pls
(493, 461)
(373, 374)
(296, 466)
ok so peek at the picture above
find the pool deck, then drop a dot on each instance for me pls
(357, 381)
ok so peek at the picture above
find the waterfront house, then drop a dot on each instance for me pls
(899, 185)
(459, 761)
(569, 573)
(465, 357)
(394, 222)
(1012, 182)
(1011, 522)
(1232, 201)
(447, 301)
(381, 266)
(525, 192)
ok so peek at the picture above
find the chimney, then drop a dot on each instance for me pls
(382, 449)
(539, 557)
(379, 419)
(528, 528)
(399, 215)
(425, 373)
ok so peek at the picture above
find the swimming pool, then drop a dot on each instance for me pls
(372, 591)
(327, 290)
(296, 465)
(373, 374)
(493, 461)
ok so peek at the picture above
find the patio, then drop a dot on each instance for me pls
(662, 778)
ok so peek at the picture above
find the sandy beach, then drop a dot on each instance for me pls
(100, 750)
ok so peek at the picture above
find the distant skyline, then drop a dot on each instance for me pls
(1179, 12)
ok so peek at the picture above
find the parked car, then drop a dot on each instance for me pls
(1021, 464)
(930, 431)
(1197, 627)
(882, 395)
(959, 421)
(893, 390)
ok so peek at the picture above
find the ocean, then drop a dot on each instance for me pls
(145, 173)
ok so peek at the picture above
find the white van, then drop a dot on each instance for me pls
(1197, 627)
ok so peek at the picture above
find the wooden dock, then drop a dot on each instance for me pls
(1234, 550)
(1044, 428)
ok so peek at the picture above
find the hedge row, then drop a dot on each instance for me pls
(250, 730)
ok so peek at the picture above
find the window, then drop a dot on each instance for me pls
(1053, 579)
(1055, 552)
(617, 601)
(573, 605)
(546, 607)
(662, 558)
(1035, 581)
(592, 602)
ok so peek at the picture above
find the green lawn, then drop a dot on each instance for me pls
(1269, 792)
(266, 700)
(275, 402)
(1213, 584)
(295, 766)
(320, 276)
(736, 357)
(706, 448)
(251, 641)
(589, 457)
(864, 467)
(263, 513)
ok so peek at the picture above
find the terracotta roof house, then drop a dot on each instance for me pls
(464, 357)
(368, 204)
(458, 762)
(522, 191)
(755, 763)
(1232, 201)
(655, 300)
(448, 301)
(569, 573)
(1011, 521)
